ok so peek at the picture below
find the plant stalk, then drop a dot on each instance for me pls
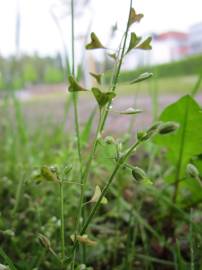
(106, 188)
(117, 72)
(62, 227)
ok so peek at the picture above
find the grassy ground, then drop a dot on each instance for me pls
(140, 227)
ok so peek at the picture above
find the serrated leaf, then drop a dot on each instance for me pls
(98, 77)
(134, 40)
(102, 97)
(186, 141)
(142, 77)
(83, 239)
(130, 111)
(96, 196)
(74, 86)
(95, 43)
(145, 45)
(134, 17)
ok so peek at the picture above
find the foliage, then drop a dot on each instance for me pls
(29, 70)
(99, 201)
(188, 66)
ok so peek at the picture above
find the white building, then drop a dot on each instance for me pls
(195, 39)
(166, 47)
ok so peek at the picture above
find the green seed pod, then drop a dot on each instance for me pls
(110, 140)
(154, 127)
(142, 136)
(168, 127)
(192, 171)
(138, 174)
(48, 174)
(67, 169)
(44, 241)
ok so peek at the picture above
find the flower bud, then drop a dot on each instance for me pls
(168, 127)
(138, 174)
(192, 171)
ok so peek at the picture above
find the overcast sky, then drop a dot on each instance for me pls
(39, 32)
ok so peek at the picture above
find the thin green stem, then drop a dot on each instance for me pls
(83, 183)
(106, 188)
(117, 72)
(75, 103)
(75, 97)
(62, 227)
(99, 129)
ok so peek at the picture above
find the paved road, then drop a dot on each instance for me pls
(53, 108)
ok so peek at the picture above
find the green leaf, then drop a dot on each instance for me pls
(130, 111)
(186, 141)
(74, 86)
(7, 259)
(134, 40)
(142, 77)
(98, 77)
(95, 43)
(96, 196)
(102, 97)
(134, 17)
(145, 45)
(113, 56)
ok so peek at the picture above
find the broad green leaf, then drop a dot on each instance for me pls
(186, 141)
(142, 77)
(145, 45)
(130, 111)
(98, 77)
(83, 239)
(95, 43)
(134, 40)
(102, 97)
(74, 86)
(96, 196)
(134, 17)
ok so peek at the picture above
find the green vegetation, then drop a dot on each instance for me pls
(186, 67)
(30, 70)
(99, 200)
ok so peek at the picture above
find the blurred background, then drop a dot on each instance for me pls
(35, 49)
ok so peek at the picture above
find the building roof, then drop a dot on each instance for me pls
(172, 35)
